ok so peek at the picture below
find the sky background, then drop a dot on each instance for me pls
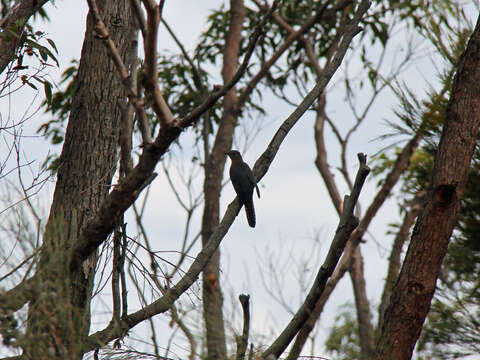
(295, 218)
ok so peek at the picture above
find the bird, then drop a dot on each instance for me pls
(243, 182)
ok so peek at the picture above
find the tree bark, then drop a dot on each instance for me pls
(414, 289)
(59, 316)
(214, 168)
(394, 261)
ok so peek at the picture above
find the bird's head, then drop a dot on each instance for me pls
(234, 155)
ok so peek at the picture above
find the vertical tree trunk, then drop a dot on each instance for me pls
(214, 168)
(364, 316)
(414, 289)
(59, 317)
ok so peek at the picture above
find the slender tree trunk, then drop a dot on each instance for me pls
(414, 289)
(214, 168)
(364, 316)
(59, 317)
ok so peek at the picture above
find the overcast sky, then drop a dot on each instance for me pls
(294, 206)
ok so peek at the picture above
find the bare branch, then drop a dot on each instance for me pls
(321, 160)
(217, 93)
(348, 222)
(291, 38)
(351, 30)
(150, 77)
(401, 163)
(117, 268)
(197, 79)
(242, 340)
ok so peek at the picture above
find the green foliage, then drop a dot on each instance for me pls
(184, 88)
(32, 44)
(343, 341)
(59, 106)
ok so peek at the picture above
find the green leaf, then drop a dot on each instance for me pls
(52, 44)
(31, 85)
(47, 87)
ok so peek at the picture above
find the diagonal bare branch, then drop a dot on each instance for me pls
(348, 222)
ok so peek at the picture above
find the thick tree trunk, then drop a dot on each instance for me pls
(414, 289)
(214, 168)
(394, 261)
(59, 317)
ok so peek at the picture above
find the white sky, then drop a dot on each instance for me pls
(294, 204)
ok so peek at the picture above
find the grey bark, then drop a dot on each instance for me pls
(59, 316)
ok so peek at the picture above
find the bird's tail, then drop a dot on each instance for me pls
(250, 211)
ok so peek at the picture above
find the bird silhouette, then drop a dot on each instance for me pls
(243, 182)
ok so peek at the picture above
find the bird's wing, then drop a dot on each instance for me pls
(252, 179)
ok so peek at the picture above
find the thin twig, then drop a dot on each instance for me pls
(217, 93)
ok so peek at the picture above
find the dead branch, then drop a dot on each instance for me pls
(242, 340)
(348, 222)
(150, 77)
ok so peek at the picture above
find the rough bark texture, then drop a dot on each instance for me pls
(214, 168)
(59, 317)
(414, 289)
(394, 261)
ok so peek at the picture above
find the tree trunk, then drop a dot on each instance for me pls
(394, 261)
(59, 317)
(214, 168)
(414, 289)
(364, 316)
